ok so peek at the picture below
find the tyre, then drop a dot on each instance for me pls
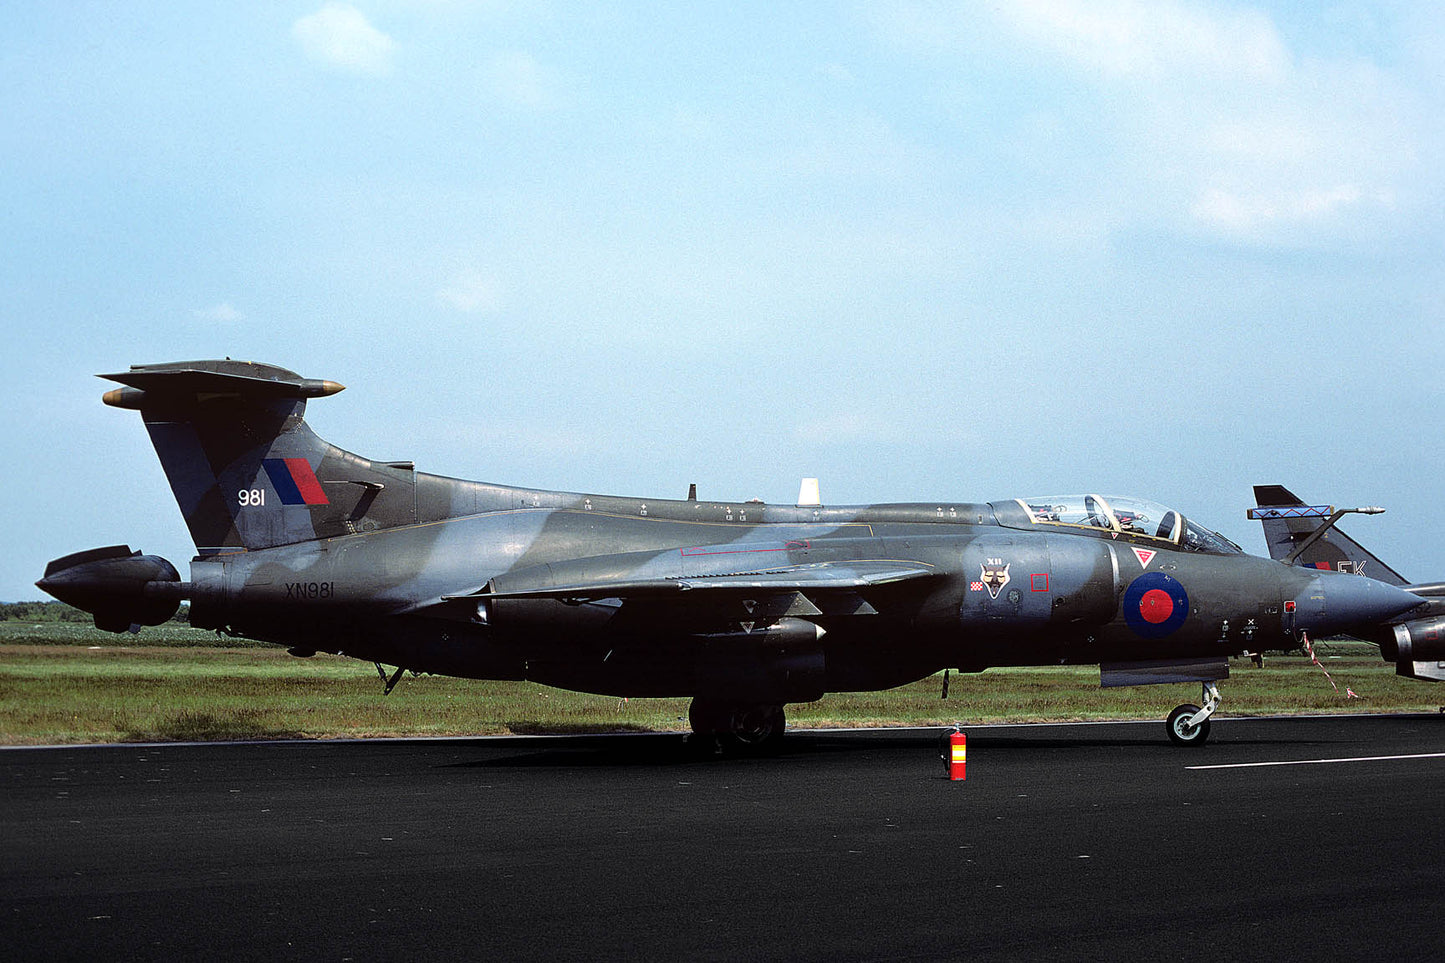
(1183, 734)
(740, 728)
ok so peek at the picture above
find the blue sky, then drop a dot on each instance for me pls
(919, 250)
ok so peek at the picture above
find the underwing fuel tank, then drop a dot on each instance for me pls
(117, 586)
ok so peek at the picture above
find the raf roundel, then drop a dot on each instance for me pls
(1155, 605)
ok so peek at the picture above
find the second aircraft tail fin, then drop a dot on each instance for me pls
(1285, 531)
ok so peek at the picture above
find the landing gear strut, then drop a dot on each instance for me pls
(737, 727)
(1189, 725)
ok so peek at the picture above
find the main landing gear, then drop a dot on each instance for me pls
(742, 728)
(1189, 725)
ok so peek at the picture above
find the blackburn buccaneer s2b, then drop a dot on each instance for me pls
(742, 606)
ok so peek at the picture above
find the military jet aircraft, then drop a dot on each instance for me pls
(1306, 536)
(742, 606)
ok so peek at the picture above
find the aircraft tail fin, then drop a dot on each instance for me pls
(246, 470)
(1285, 531)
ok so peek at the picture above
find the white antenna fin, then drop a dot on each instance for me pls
(808, 495)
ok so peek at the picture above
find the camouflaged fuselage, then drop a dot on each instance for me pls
(310, 546)
(416, 595)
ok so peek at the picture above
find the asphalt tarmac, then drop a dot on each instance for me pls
(1065, 842)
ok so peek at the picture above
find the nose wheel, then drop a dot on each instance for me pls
(1189, 725)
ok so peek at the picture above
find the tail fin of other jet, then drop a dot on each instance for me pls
(245, 468)
(1334, 550)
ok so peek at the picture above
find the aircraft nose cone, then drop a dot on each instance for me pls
(1333, 601)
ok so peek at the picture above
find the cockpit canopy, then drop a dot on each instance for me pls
(1116, 515)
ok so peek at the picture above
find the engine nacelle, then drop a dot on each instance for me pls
(1417, 648)
(117, 586)
(1420, 640)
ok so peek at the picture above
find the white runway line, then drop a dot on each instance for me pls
(1319, 762)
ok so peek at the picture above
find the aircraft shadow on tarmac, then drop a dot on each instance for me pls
(676, 749)
(672, 749)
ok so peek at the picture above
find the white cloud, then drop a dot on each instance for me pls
(1155, 38)
(340, 35)
(520, 81)
(223, 313)
(1219, 125)
(1249, 215)
(471, 292)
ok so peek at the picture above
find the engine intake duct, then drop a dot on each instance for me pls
(121, 588)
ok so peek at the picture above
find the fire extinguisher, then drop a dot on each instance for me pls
(955, 754)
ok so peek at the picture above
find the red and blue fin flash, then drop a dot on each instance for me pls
(294, 481)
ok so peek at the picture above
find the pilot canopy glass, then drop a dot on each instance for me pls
(1132, 516)
(1124, 515)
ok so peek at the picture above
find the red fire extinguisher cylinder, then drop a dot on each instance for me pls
(957, 755)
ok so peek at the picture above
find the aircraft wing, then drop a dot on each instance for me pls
(706, 588)
(819, 577)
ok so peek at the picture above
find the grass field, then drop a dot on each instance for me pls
(73, 684)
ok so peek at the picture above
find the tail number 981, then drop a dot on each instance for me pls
(250, 497)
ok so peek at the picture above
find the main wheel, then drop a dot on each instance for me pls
(755, 728)
(1181, 733)
(738, 726)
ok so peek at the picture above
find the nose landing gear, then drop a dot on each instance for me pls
(1189, 725)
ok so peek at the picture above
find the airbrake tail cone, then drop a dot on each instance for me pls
(119, 587)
